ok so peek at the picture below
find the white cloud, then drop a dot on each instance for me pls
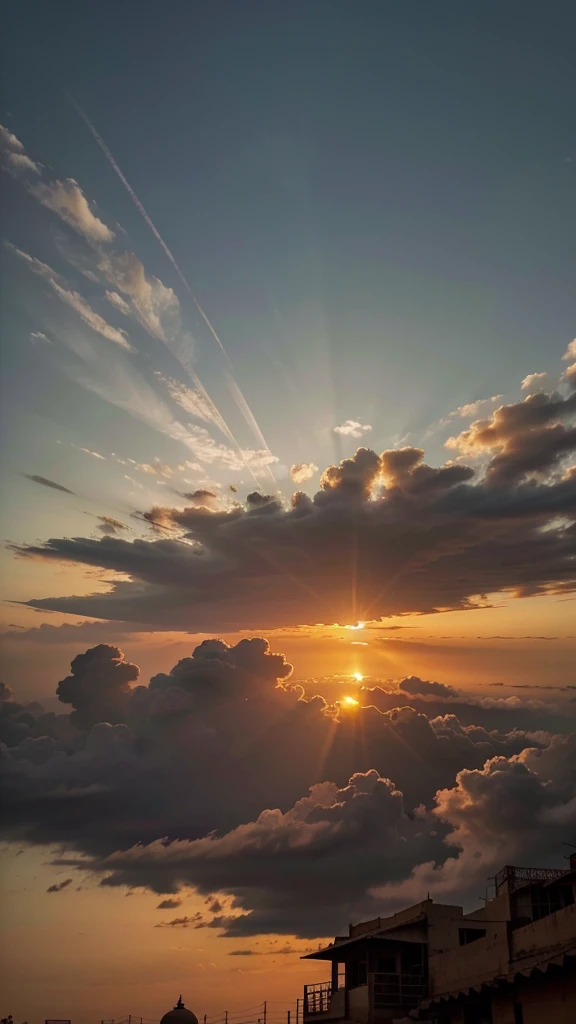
(155, 306)
(303, 471)
(14, 155)
(75, 301)
(67, 199)
(210, 451)
(40, 336)
(352, 428)
(88, 451)
(532, 379)
(192, 400)
(570, 353)
(118, 302)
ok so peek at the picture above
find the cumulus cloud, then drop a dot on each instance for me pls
(425, 538)
(523, 439)
(67, 199)
(275, 842)
(532, 380)
(303, 471)
(352, 428)
(98, 687)
(74, 300)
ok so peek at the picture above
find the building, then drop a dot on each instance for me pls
(512, 962)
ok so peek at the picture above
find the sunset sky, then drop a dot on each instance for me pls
(287, 352)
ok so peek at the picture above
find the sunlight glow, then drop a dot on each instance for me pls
(357, 676)
(359, 625)
(350, 702)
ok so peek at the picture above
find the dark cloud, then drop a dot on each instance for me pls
(414, 686)
(180, 922)
(420, 538)
(286, 813)
(98, 687)
(59, 886)
(527, 437)
(111, 526)
(170, 904)
(47, 483)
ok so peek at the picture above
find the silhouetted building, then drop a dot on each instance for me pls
(179, 1015)
(512, 962)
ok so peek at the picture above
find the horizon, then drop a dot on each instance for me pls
(289, 490)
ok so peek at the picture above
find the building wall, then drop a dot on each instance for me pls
(358, 1004)
(550, 999)
(549, 933)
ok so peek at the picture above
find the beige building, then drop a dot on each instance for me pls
(512, 962)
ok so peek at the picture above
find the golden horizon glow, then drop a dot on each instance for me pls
(358, 625)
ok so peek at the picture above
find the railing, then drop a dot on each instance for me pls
(317, 997)
(397, 990)
(517, 877)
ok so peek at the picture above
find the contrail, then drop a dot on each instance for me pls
(238, 396)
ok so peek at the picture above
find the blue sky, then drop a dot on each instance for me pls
(374, 205)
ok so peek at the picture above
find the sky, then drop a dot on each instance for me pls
(288, 432)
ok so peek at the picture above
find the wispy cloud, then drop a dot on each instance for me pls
(59, 886)
(67, 199)
(74, 300)
(14, 156)
(88, 451)
(47, 483)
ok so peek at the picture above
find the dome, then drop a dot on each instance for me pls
(179, 1015)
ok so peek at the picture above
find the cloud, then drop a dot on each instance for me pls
(194, 401)
(352, 428)
(303, 471)
(426, 538)
(40, 336)
(67, 199)
(531, 380)
(47, 483)
(524, 438)
(415, 686)
(111, 526)
(14, 156)
(570, 353)
(88, 451)
(119, 303)
(169, 904)
(59, 886)
(275, 843)
(74, 300)
(180, 922)
(98, 687)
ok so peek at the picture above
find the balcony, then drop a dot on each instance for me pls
(321, 1000)
(393, 990)
(382, 992)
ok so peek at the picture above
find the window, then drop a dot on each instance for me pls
(386, 964)
(362, 973)
(468, 935)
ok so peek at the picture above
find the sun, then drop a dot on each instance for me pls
(350, 702)
(358, 625)
(357, 676)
